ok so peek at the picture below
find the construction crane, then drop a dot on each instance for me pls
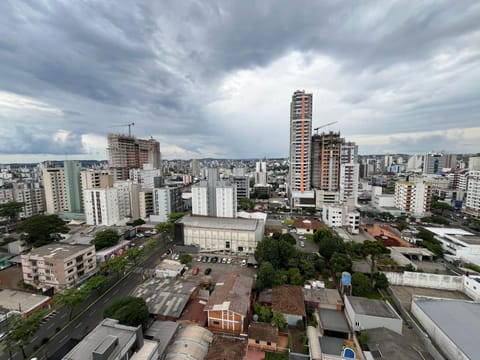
(325, 125)
(129, 127)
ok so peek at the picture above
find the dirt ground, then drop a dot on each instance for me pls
(10, 278)
(296, 344)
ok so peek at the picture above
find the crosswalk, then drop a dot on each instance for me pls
(48, 317)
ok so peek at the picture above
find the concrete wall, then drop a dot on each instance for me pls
(432, 281)
(471, 288)
(440, 338)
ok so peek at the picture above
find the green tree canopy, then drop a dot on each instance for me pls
(277, 252)
(381, 281)
(294, 277)
(246, 204)
(266, 276)
(11, 210)
(264, 313)
(279, 320)
(361, 285)
(374, 249)
(105, 239)
(129, 310)
(185, 258)
(138, 222)
(116, 264)
(41, 229)
(175, 216)
(330, 245)
(321, 234)
(21, 329)
(96, 282)
(166, 227)
(288, 238)
(71, 299)
(340, 262)
(134, 254)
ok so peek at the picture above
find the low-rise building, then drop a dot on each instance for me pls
(190, 342)
(112, 341)
(288, 299)
(169, 269)
(323, 298)
(263, 336)
(341, 216)
(229, 305)
(364, 314)
(451, 324)
(166, 298)
(58, 265)
(307, 226)
(220, 234)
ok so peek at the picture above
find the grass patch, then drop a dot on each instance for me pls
(473, 267)
(288, 221)
(276, 356)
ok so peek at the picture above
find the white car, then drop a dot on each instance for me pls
(229, 261)
(244, 262)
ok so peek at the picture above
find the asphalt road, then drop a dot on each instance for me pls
(86, 316)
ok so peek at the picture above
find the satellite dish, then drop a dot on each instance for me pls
(255, 317)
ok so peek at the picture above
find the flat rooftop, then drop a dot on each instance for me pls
(333, 320)
(166, 297)
(386, 344)
(323, 296)
(331, 345)
(406, 293)
(412, 250)
(59, 250)
(440, 231)
(371, 307)
(13, 300)
(458, 319)
(163, 332)
(220, 223)
(101, 337)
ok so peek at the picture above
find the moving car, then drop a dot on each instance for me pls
(208, 271)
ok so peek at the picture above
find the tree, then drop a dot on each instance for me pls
(150, 244)
(175, 216)
(117, 265)
(373, 249)
(138, 222)
(96, 282)
(11, 210)
(71, 299)
(361, 285)
(340, 262)
(264, 313)
(246, 204)
(277, 252)
(381, 281)
(129, 310)
(105, 239)
(321, 234)
(165, 227)
(307, 268)
(185, 258)
(330, 245)
(294, 277)
(442, 207)
(279, 320)
(288, 238)
(134, 254)
(41, 229)
(21, 329)
(266, 276)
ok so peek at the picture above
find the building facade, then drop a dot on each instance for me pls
(101, 206)
(58, 265)
(128, 152)
(166, 200)
(414, 198)
(472, 203)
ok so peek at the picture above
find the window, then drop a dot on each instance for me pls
(269, 343)
(257, 341)
(216, 322)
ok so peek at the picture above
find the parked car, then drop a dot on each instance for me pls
(195, 270)
(229, 261)
(302, 244)
(208, 271)
(244, 262)
(224, 260)
(199, 259)
(206, 259)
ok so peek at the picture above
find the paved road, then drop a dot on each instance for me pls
(89, 315)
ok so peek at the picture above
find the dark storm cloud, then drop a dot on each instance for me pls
(160, 63)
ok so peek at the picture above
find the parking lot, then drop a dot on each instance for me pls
(218, 268)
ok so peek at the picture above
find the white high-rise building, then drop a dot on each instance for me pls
(200, 200)
(101, 206)
(349, 173)
(32, 196)
(56, 198)
(414, 198)
(226, 198)
(166, 200)
(261, 173)
(472, 203)
(146, 176)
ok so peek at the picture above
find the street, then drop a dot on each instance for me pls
(86, 317)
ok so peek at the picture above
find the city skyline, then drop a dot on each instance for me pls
(214, 79)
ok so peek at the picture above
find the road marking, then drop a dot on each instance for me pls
(78, 325)
(49, 326)
(106, 300)
(64, 338)
(34, 338)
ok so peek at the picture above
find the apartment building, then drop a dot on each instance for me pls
(101, 206)
(95, 178)
(56, 199)
(414, 198)
(58, 265)
(128, 152)
(472, 203)
(166, 200)
(33, 197)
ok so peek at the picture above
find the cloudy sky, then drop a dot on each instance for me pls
(215, 78)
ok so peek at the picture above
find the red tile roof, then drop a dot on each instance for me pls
(288, 299)
(232, 292)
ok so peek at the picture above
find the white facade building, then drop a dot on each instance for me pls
(414, 198)
(472, 203)
(146, 176)
(222, 234)
(56, 198)
(166, 200)
(261, 173)
(101, 206)
(223, 194)
(226, 198)
(340, 216)
(200, 200)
